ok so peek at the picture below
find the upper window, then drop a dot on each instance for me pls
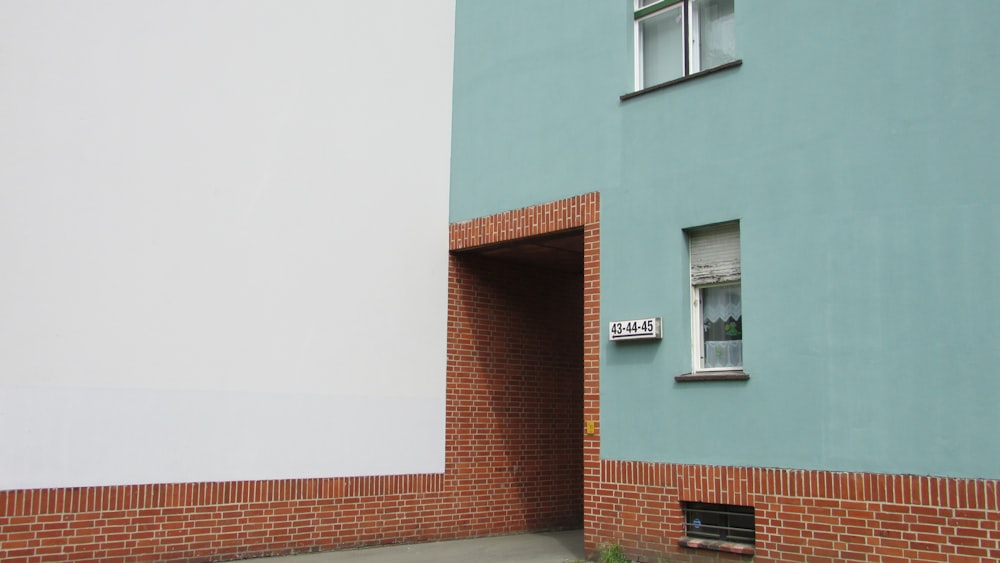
(677, 38)
(716, 298)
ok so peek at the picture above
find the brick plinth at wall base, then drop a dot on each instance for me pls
(801, 516)
(217, 521)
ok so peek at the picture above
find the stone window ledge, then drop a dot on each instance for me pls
(681, 80)
(717, 545)
(734, 375)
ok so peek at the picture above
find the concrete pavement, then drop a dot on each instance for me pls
(546, 547)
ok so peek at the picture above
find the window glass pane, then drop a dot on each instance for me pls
(708, 523)
(742, 527)
(722, 322)
(716, 32)
(662, 46)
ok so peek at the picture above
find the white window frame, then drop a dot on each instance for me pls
(698, 331)
(690, 40)
(697, 326)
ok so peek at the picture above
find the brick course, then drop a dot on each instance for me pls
(213, 521)
(802, 516)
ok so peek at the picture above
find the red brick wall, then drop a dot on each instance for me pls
(516, 369)
(518, 352)
(212, 521)
(802, 516)
(513, 440)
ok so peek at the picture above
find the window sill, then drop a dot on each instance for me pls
(717, 545)
(662, 85)
(735, 375)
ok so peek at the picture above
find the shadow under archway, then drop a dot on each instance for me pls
(515, 400)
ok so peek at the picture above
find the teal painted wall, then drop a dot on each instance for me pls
(535, 113)
(858, 146)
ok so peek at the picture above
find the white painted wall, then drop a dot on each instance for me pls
(223, 239)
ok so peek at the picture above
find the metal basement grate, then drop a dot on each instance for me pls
(720, 522)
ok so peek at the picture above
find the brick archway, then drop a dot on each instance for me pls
(477, 459)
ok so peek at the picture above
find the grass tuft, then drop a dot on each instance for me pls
(613, 554)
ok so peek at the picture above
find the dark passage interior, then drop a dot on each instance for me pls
(515, 393)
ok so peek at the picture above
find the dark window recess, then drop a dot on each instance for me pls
(720, 522)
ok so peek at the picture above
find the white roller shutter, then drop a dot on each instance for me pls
(715, 253)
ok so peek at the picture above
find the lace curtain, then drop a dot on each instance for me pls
(722, 317)
(721, 303)
(723, 354)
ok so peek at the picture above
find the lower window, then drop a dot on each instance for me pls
(716, 298)
(721, 313)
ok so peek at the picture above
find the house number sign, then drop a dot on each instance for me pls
(635, 329)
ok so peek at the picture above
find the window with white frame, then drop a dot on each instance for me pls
(716, 298)
(677, 38)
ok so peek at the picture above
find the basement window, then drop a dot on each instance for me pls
(719, 527)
